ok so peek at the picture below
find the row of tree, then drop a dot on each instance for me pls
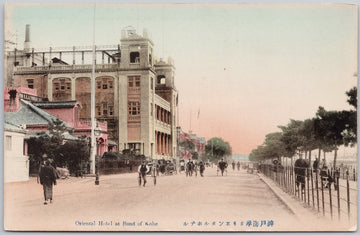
(325, 132)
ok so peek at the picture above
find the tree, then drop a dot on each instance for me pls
(291, 138)
(51, 143)
(216, 148)
(187, 145)
(329, 126)
(352, 97)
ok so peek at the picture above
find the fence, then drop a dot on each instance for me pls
(324, 191)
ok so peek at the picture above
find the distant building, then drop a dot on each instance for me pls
(240, 157)
(135, 93)
(199, 144)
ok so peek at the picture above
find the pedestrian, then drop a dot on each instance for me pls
(233, 165)
(202, 168)
(325, 178)
(47, 180)
(300, 172)
(143, 170)
(238, 165)
(315, 165)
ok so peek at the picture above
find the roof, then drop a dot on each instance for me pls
(12, 127)
(55, 104)
(29, 114)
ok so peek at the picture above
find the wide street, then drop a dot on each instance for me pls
(176, 203)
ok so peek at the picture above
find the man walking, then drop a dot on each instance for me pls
(47, 177)
(143, 170)
(300, 172)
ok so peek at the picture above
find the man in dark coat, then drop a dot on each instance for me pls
(47, 176)
(202, 168)
(300, 172)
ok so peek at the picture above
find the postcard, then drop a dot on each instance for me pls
(180, 117)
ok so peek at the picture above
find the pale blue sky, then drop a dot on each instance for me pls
(248, 68)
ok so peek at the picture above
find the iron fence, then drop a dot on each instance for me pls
(330, 192)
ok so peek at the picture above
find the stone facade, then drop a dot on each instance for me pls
(129, 89)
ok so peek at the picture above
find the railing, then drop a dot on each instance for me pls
(162, 103)
(322, 190)
(162, 126)
(64, 68)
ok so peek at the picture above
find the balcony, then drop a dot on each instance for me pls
(65, 69)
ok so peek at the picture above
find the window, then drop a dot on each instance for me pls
(105, 112)
(134, 57)
(98, 85)
(8, 142)
(104, 86)
(150, 59)
(134, 108)
(152, 109)
(30, 83)
(98, 110)
(57, 86)
(161, 79)
(152, 83)
(62, 87)
(68, 85)
(134, 81)
(111, 111)
(110, 84)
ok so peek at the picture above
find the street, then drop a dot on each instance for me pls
(176, 203)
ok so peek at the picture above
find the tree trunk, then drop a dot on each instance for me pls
(305, 154)
(319, 154)
(324, 155)
(309, 158)
(335, 156)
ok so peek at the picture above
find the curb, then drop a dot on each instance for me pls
(279, 194)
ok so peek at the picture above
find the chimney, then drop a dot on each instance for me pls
(27, 39)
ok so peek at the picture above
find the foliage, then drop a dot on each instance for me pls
(216, 148)
(189, 146)
(70, 153)
(352, 97)
(326, 131)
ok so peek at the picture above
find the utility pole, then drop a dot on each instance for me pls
(92, 101)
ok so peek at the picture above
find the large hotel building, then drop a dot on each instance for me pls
(135, 93)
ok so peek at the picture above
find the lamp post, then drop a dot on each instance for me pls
(97, 133)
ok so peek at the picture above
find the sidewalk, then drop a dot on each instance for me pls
(302, 212)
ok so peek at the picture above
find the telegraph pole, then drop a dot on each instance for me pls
(92, 101)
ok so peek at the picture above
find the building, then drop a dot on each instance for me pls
(198, 142)
(16, 161)
(135, 93)
(23, 108)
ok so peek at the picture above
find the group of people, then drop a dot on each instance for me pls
(47, 178)
(301, 166)
(194, 167)
(237, 164)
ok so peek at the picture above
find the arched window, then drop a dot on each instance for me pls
(161, 79)
(134, 57)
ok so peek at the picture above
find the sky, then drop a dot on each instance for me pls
(241, 69)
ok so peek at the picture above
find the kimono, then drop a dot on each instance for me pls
(47, 180)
